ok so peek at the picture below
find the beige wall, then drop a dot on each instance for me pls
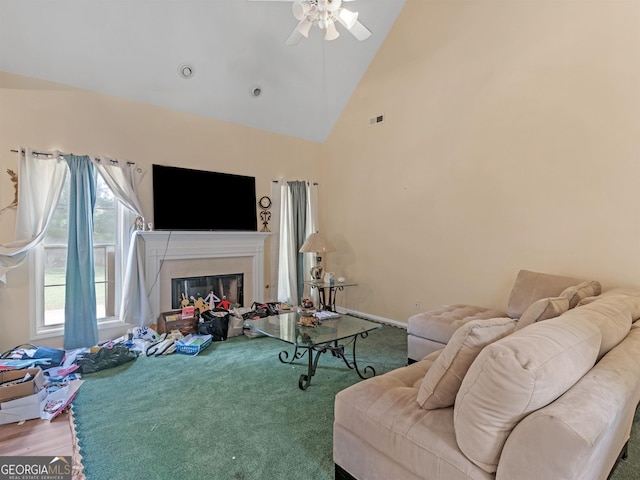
(48, 116)
(511, 140)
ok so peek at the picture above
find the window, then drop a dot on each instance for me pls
(110, 244)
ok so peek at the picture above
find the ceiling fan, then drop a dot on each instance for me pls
(325, 14)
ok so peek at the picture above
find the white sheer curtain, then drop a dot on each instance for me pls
(274, 238)
(123, 178)
(287, 252)
(135, 307)
(40, 181)
(287, 278)
(311, 227)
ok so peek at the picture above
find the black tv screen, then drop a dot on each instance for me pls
(186, 199)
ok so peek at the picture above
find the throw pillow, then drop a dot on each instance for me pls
(517, 375)
(576, 293)
(441, 382)
(531, 286)
(543, 309)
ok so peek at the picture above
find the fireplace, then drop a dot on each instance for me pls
(181, 254)
(211, 288)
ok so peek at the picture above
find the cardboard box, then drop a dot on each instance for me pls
(168, 321)
(39, 405)
(22, 409)
(57, 401)
(21, 389)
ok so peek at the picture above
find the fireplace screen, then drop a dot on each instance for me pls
(227, 286)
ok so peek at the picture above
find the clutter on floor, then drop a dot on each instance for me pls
(40, 382)
(35, 382)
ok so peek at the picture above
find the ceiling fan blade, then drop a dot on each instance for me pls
(294, 38)
(360, 31)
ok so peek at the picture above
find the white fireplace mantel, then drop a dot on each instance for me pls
(161, 246)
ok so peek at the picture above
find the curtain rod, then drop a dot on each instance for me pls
(49, 154)
(277, 181)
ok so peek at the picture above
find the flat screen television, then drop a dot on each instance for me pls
(187, 199)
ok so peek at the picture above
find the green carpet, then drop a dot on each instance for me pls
(232, 412)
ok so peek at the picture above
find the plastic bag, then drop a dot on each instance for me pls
(214, 323)
(53, 356)
(105, 358)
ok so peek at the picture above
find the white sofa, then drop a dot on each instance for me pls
(553, 400)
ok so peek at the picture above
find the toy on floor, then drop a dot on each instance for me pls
(224, 303)
(166, 344)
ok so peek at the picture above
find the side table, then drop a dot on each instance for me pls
(327, 292)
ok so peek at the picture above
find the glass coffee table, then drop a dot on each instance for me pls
(314, 341)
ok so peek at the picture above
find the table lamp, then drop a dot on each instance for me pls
(317, 244)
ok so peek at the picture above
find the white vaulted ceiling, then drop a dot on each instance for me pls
(133, 49)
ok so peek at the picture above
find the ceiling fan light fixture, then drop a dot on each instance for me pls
(301, 10)
(347, 18)
(324, 14)
(331, 32)
(333, 5)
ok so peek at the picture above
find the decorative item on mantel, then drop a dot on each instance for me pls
(317, 244)
(265, 214)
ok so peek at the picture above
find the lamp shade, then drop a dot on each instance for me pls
(301, 9)
(331, 32)
(317, 243)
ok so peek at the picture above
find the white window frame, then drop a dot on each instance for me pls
(36, 267)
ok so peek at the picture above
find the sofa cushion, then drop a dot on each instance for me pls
(440, 324)
(531, 286)
(576, 293)
(442, 381)
(516, 375)
(612, 314)
(382, 414)
(543, 309)
(617, 292)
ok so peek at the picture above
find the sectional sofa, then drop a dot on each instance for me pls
(534, 296)
(552, 400)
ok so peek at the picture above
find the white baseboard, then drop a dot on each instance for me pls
(373, 318)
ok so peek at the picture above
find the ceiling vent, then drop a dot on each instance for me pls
(376, 120)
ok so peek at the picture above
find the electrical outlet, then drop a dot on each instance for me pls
(416, 306)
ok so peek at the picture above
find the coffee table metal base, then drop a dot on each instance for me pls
(313, 353)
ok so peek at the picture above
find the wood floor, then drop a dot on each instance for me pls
(37, 437)
(42, 438)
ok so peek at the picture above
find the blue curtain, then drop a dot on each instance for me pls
(80, 324)
(299, 210)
